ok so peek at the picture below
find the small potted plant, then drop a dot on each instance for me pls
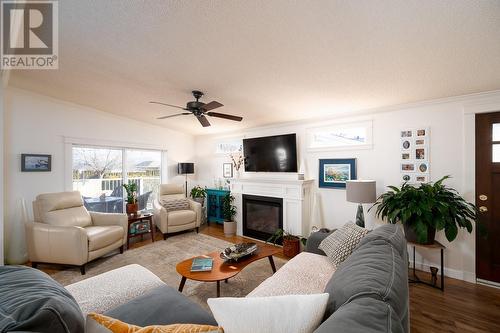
(424, 209)
(198, 194)
(228, 212)
(132, 205)
(291, 243)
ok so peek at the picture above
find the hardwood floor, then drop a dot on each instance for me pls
(462, 307)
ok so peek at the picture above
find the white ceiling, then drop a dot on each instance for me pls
(269, 61)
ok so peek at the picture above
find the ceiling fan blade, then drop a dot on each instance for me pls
(174, 115)
(203, 121)
(225, 116)
(174, 106)
(212, 105)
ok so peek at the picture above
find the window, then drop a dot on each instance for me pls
(496, 143)
(496, 153)
(99, 173)
(341, 136)
(496, 132)
(229, 146)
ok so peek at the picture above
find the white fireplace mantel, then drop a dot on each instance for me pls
(296, 195)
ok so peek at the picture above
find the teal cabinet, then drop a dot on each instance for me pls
(214, 205)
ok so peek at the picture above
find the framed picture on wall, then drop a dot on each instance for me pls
(36, 163)
(227, 170)
(333, 173)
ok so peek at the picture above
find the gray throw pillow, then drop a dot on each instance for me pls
(175, 204)
(340, 244)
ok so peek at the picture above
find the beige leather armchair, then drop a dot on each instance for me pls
(177, 220)
(64, 232)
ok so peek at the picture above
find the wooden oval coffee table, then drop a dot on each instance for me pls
(222, 270)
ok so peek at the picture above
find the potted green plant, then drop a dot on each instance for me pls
(424, 209)
(132, 205)
(290, 242)
(228, 212)
(198, 194)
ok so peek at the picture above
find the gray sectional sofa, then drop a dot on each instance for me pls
(368, 293)
(369, 290)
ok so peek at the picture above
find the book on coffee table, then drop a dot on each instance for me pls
(202, 265)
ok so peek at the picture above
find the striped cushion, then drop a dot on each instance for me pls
(175, 204)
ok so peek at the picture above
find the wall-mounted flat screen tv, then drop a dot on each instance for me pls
(271, 153)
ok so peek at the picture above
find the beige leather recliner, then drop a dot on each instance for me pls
(64, 232)
(177, 220)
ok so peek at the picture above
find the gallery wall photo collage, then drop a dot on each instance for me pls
(415, 155)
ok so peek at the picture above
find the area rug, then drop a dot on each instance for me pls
(161, 257)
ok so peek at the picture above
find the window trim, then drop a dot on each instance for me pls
(70, 142)
(368, 124)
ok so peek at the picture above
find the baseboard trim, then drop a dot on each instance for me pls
(488, 283)
(449, 272)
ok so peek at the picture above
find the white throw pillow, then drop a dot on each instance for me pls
(276, 314)
(340, 244)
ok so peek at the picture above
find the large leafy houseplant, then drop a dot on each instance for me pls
(424, 209)
(228, 212)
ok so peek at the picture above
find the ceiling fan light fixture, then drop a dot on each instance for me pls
(200, 109)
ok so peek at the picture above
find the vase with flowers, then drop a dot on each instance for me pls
(238, 161)
(132, 205)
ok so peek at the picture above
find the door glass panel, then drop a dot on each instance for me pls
(496, 153)
(97, 174)
(144, 169)
(496, 132)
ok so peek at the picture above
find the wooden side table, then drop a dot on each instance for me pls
(435, 246)
(134, 218)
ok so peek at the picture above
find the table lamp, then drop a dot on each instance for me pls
(360, 192)
(185, 169)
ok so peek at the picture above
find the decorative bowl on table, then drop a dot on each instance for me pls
(238, 251)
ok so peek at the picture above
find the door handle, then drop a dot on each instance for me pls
(483, 197)
(483, 209)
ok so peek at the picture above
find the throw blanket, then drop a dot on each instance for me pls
(175, 204)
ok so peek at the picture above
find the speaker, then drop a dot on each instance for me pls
(185, 168)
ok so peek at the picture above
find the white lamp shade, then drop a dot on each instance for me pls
(361, 191)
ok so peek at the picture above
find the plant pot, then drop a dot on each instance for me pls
(132, 208)
(229, 228)
(291, 247)
(200, 200)
(411, 235)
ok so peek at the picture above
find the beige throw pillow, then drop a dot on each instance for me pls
(340, 244)
(175, 204)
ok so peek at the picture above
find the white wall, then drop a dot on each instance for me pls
(39, 124)
(451, 154)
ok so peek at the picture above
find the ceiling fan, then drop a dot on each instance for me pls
(200, 110)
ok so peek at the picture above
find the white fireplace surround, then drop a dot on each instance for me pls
(296, 195)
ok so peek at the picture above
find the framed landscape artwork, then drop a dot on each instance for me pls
(36, 163)
(333, 173)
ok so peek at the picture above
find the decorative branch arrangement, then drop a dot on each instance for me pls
(237, 159)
